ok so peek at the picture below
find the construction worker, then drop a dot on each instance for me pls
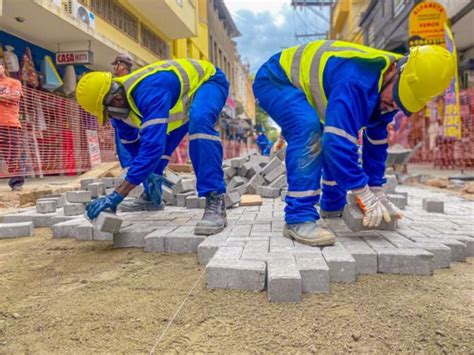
(153, 108)
(122, 65)
(321, 94)
(263, 143)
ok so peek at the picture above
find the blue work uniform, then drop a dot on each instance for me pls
(264, 144)
(151, 146)
(329, 151)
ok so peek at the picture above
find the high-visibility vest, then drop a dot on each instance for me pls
(191, 73)
(304, 66)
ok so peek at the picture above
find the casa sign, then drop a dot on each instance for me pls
(74, 57)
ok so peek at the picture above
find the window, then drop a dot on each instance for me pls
(154, 43)
(115, 14)
(398, 6)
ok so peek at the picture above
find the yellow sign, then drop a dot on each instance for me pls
(426, 24)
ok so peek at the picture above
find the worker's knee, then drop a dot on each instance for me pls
(305, 130)
(201, 122)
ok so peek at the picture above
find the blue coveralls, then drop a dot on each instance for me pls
(151, 147)
(351, 86)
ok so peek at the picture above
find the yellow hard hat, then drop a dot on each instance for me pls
(424, 74)
(91, 91)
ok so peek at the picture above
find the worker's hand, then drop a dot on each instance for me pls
(154, 187)
(373, 208)
(109, 202)
(382, 196)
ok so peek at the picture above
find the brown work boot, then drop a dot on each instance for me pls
(309, 233)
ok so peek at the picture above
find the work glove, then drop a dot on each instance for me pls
(372, 207)
(109, 202)
(379, 192)
(154, 187)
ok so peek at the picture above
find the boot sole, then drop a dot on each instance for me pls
(206, 230)
(329, 240)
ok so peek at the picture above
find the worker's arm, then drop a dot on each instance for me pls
(374, 152)
(129, 136)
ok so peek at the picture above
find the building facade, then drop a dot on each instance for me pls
(345, 20)
(223, 53)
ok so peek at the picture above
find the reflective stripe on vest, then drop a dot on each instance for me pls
(178, 113)
(297, 66)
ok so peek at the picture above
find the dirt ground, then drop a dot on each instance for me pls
(65, 296)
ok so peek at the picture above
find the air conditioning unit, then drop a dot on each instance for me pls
(80, 12)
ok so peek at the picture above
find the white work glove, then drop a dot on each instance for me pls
(372, 207)
(379, 191)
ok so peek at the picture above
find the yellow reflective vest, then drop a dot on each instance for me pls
(191, 73)
(304, 66)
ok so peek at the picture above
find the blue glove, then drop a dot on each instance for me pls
(153, 187)
(109, 202)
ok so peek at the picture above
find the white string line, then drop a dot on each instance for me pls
(176, 314)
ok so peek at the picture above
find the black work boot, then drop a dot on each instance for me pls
(214, 219)
(141, 203)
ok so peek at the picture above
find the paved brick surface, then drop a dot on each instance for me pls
(251, 253)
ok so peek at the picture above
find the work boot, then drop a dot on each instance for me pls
(214, 219)
(141, 203)
(331, 214)
(309, 233)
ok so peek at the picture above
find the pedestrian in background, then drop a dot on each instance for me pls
(10, 128)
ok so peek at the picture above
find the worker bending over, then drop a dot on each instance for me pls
(321, 94)
(152, 109)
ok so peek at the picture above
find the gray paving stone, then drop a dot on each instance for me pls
(83, 231)
(342, 266)
(236, 182)
(236, 274)
(441, 253)
(132, 236)
(74, 209)
(272, 175)
(181, 198)
(279, 182)
(284, 281)
(85, 182)
(353, 216)
(229, 172)
(237, 162)
(272, 165)
(183, 243)
(184, 185)
(314, 273)
(231, 199)
(364, 256)
(66, 229)
(16, 230)
(209, 247)
(109, 182)
(78, 196)
(96, 189)
(391, 184)
(458, 249)
(98, 235)
(229, 252)
(398, 200)
(155, 242)
(405, 261)
(46, 206)
(107, 222)
(266, 191)
(433, 205)
(254, 182)
(168, 196)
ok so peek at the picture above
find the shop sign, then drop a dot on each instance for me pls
(74, 57)
(426, 24)
(94, 148)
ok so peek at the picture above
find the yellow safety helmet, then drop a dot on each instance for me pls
(424, 74)
(91, 92)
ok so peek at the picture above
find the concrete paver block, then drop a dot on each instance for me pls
(181, 198)
(230, 172)
(353, 216)
(398, 200)
(132, 236)
(433, 205)
(74, 209)
(236, 182)
(16, 230)
(236, 274)
(405, 261)
(365, 257)
(284, 281)
(183, 243)
(314, 273)
(391, 184)
(96, 189)
(254, 182)
(85, 182)
(155, 242)
(342, 266)
(109, 182)
(275, 173)
(78, 196)
(46, 206)
(272, 165)
(266, 191)
(458, 249)
(279, 182)
(168, 196)
(107, 222)
(184, 185)
(208, 248)
(229, 252)
(231, 198)
(441, 253)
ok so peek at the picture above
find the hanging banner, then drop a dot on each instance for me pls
(94, 148)
(426, 24)
(452, 115)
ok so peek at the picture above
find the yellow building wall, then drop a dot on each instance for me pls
(346, 19)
